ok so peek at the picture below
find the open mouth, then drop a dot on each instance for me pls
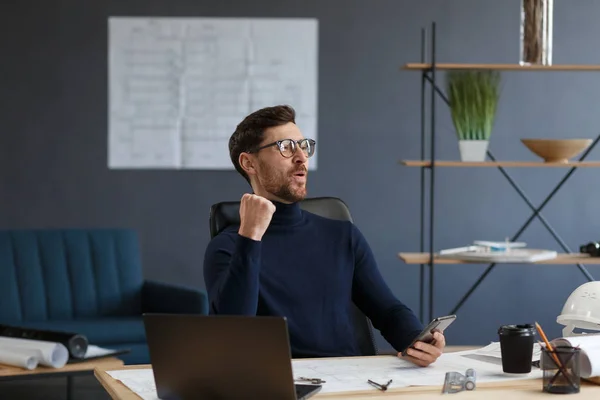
(300, 175)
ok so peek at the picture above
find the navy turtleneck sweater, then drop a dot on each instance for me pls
(309, 269)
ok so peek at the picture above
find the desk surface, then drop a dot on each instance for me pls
(521, 389)
(108, 363)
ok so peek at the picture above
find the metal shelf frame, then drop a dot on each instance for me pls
(429, 76)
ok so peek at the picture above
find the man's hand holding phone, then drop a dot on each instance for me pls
(429, 345)
(424, 354)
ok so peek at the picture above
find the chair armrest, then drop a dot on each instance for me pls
(159, 297)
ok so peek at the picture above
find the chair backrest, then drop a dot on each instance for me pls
(64, 274)
(227, 213)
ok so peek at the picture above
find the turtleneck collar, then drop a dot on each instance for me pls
(286, 213)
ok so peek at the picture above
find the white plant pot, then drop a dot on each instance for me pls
(473, 150)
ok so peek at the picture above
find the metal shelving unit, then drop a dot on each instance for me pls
(429, 71)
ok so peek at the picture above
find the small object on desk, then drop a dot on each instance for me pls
(563, 376)
(456, 382)
(314, 381)
(550, 352)
(379, 386)
(75, 343)
(516, 346)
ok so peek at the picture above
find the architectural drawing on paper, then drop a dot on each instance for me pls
(179, 86)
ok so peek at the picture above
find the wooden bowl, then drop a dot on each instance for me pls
(557, 150)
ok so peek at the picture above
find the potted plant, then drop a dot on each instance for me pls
(473, 97)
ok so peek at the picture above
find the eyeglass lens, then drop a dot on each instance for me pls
(288, 147)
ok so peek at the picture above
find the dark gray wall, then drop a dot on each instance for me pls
(54, 132)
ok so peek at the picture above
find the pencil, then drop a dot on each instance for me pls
(548, 345)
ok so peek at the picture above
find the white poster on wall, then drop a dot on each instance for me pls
(178, 87)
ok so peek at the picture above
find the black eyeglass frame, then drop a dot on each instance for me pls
(296, 144)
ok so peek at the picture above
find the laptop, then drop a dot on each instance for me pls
(222, 357)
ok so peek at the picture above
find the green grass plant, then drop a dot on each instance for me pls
(474, 96)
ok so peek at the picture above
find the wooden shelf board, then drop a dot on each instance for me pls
(504, 67)
(441, 163)
(561, 259)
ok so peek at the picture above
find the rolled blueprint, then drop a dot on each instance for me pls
(74, 342)
(17, 359)
(50, 354)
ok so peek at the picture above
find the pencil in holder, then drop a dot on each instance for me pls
(561, 370)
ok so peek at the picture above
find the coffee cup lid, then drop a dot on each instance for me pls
(524, 329)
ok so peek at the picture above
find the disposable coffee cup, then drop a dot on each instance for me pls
(516, 347)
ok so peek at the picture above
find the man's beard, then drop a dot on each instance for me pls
(282, 186)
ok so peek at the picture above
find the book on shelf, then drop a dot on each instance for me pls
(505, 252)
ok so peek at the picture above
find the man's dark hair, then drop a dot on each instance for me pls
(249, 133)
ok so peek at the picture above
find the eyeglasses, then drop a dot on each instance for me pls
(288, 147)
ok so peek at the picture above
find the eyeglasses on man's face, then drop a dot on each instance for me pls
(288, 147)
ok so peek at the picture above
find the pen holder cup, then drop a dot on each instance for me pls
(564, 376)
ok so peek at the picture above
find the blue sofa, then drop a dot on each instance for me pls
(87, 281)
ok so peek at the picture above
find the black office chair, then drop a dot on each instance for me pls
(228, 213)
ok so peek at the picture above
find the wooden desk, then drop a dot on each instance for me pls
(115, 388)
(523, 389)
(119, 391)
(11, 373)
(529, 389)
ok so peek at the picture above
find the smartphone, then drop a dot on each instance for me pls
(437, 324)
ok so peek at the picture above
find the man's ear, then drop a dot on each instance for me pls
(247, 163)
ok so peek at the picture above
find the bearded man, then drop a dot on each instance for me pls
(284, 261)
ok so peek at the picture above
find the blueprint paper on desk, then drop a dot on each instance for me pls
(590, 352)
(351, 374)
(140, 381)
(493, 350)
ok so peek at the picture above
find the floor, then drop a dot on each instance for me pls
(84, 388)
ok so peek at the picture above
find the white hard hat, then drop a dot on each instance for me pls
(582, 309)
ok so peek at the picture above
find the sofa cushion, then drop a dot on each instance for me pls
(99, 331)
